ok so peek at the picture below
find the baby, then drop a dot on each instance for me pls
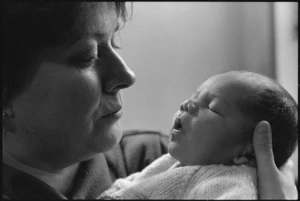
(210, 150)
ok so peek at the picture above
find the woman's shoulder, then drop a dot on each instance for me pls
(19, 185)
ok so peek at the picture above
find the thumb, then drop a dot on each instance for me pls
(262, 143)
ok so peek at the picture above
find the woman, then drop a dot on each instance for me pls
(62, 104)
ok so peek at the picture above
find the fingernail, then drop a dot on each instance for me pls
(263, 127)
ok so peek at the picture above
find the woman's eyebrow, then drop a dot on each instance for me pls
(102, 35)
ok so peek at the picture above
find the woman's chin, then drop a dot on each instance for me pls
(107, 139)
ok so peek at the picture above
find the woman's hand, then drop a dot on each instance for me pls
(272, 182)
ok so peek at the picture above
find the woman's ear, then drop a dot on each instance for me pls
(246, 156)
(8, 120)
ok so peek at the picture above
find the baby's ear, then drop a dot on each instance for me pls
(240, 160)
(246, 156)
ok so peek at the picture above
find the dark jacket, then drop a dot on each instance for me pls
(137, 149)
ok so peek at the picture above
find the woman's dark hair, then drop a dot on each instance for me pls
(271, 102)
(30, 26)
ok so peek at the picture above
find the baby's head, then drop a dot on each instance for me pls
(215, 125)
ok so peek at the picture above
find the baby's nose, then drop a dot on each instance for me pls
(189, 106)
(183, 106)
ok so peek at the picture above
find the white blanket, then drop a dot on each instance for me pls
(166, 179)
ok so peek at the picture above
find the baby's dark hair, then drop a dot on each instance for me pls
(269, 101)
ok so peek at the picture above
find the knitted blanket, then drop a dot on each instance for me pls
(166, 179)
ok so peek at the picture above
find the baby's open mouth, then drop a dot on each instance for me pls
(177, 125)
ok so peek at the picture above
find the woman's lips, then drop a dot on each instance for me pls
(115, 115)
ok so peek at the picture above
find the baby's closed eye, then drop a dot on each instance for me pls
(215, 108)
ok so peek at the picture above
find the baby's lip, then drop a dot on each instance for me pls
(177, 124)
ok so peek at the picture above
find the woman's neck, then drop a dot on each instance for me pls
(61, 180)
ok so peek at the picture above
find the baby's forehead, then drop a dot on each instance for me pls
(229, 88)
(229, 82)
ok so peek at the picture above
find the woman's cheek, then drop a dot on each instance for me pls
(82, 94)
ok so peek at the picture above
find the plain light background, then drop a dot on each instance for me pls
(175, 46)
(286, 17)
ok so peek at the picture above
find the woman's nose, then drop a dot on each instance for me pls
(117, 74)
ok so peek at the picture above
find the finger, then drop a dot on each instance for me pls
(262, 143)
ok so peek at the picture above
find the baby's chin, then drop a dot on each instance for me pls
(173, 152)
(178, 156)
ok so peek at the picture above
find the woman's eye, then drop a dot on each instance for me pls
(87, 62)
(85, 57)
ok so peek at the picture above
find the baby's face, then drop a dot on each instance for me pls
(208, 125)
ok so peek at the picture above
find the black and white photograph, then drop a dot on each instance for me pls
(149, 100)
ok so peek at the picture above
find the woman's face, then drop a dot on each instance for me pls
(71, 109)
(208, 126)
